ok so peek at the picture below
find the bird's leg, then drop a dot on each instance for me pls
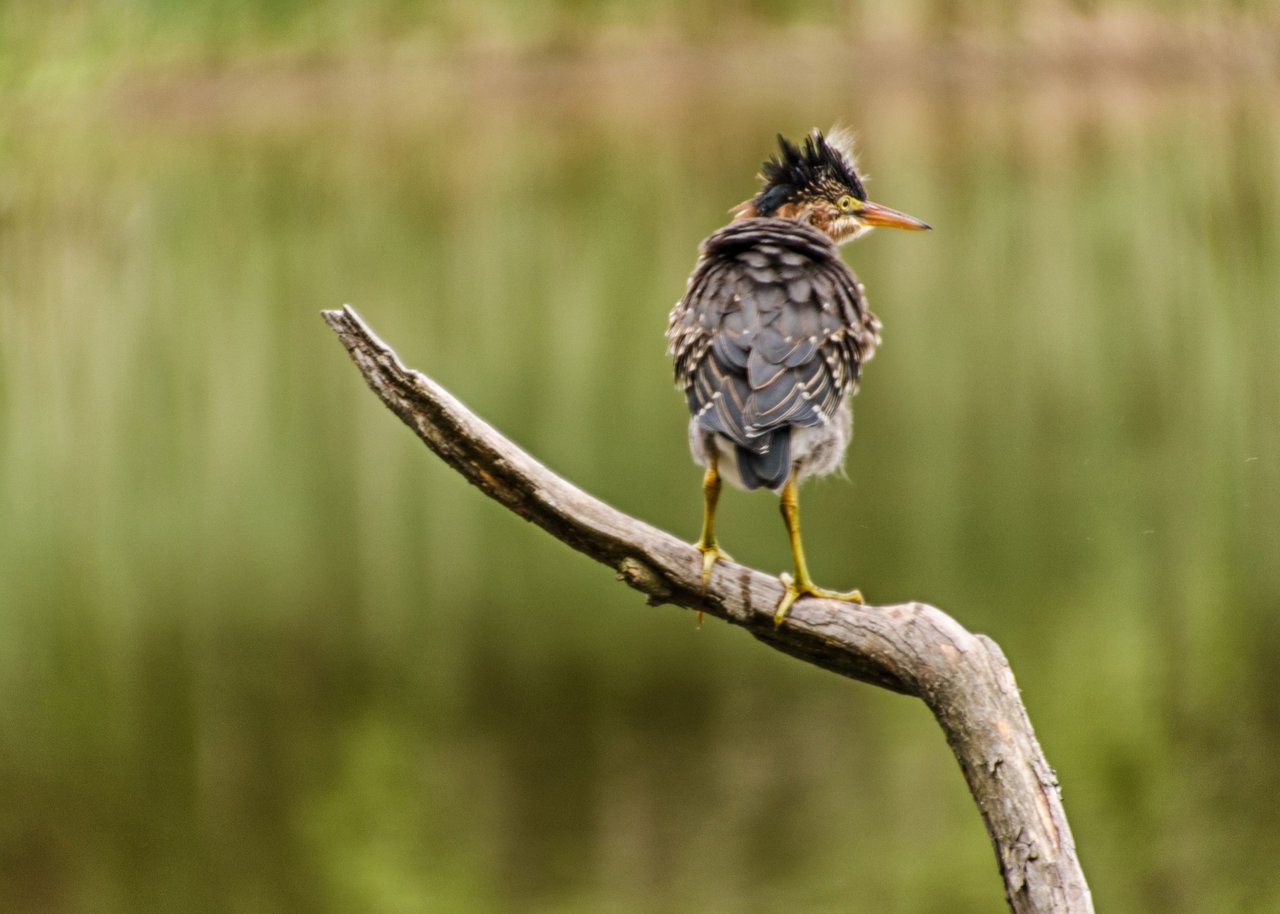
(801, 585)
(707, 545)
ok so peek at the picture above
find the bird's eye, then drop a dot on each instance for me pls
(847, 204)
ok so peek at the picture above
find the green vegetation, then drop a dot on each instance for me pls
(76, 44)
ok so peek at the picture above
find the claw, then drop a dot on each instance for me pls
(795, 591)
(711, 553)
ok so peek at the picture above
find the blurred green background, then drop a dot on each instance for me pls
(261, 652)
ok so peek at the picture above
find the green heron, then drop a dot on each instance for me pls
(771, 334)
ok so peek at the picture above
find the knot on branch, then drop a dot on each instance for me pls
(645, 579)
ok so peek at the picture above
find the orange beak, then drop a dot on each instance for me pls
(875, 214)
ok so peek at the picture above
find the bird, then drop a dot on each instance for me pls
(769, 339)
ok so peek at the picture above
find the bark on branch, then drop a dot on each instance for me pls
(911, 648)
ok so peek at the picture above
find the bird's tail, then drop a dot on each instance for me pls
(767, 462)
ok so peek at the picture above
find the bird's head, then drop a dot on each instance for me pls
(817, 182)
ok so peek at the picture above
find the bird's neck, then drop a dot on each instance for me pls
(747, 209)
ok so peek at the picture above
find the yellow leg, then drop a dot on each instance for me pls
(801, 585)
(707, 545)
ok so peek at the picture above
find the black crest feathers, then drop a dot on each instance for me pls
(813, 164)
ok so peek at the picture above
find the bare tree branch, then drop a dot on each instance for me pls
(910, 648)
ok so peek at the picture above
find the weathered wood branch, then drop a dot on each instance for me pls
(911, 648)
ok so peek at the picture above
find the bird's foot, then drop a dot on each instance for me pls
(797, 589)
(711, 553)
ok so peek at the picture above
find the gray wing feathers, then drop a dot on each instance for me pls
(770, 335)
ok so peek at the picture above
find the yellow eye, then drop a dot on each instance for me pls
(847, 204)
